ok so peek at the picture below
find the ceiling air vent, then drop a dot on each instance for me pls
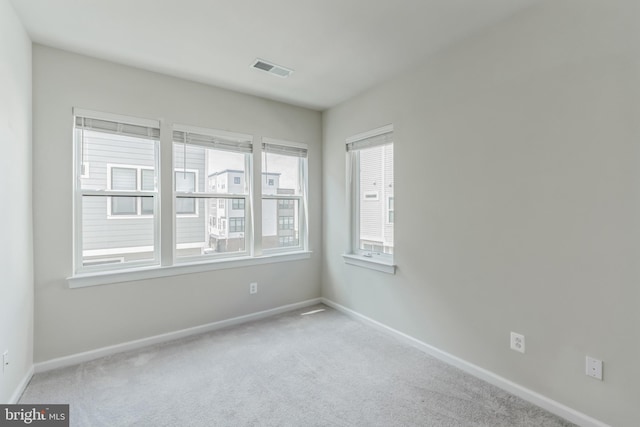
(271, 68)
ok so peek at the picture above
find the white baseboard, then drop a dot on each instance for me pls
(488, 376)
(86, 356)
(20, 389)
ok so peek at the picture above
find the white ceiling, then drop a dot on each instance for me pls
(337, 48)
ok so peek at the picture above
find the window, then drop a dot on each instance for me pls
(237, 204)
(236, 225)
(285, 204)
(117, 209)
(116, 225)
(130, 178)
(284, 197)
(219, 158)
(287, 241)
(370, 164)
(285, 222)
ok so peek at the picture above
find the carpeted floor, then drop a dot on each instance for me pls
(322, 369)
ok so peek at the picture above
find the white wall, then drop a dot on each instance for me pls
(69, 321)
(16, 248)
(517, 197)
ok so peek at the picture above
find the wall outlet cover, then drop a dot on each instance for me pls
(594, 368)
(517, 342)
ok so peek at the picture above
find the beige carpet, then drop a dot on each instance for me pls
(323, 369)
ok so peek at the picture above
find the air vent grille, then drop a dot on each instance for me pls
(276, 70)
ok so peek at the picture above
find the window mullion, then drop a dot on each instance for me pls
(165, 205)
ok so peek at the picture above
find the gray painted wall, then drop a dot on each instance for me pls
(517, 193)
(69, 321)
(16, 250)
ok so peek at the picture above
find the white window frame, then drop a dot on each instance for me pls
(303, 210)
(79, 267)
(354, 255)
(165, 263)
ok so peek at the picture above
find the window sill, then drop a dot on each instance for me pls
(370, 263)
(103, 278)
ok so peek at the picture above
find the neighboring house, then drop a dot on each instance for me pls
(377, 200)
(227, 216)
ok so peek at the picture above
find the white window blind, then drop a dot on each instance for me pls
(210, 141)
(285, 150)
(384, 138)
(117, 127)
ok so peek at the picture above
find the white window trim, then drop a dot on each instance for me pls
(134, 274)
(370, 263)
(354, 256)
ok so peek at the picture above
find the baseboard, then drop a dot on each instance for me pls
(20, 389)
(488, 376)
(75, 359)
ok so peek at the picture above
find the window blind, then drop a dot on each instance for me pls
(213, 142)
(119, 128)
(372, 141)
(286, 150)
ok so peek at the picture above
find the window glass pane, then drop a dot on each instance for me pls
(148, 184)
(119, 240)
(375, 191)
(280, 223)
(124, 205)
(186, 182)
(222, 230)
(192, 231)
(213, 225)
(281, 174)
(217, 170)
(124, 178)
(124, 154)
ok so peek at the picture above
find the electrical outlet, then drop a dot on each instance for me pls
(594, 368)
(517, 342)
(5, 360)
(253, 288)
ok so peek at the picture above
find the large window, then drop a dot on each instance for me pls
(212, 217)
(284, 195)
(116, 200)
(370, 163)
